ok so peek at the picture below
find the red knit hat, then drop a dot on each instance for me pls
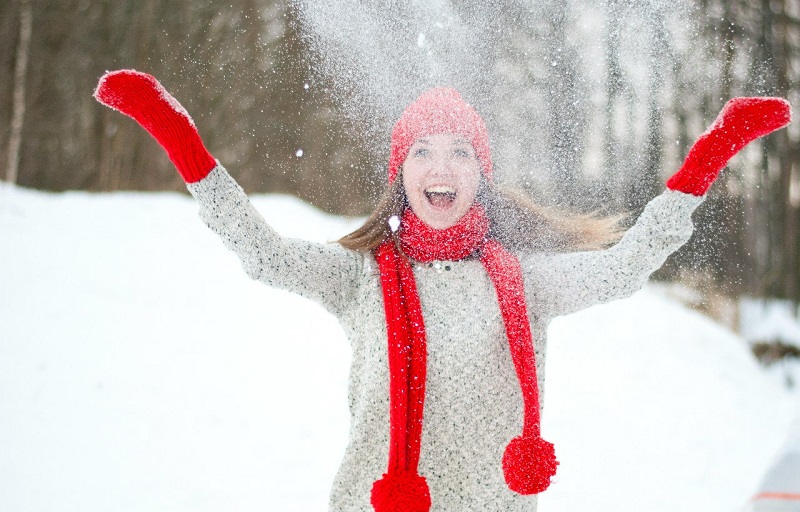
(439, 110)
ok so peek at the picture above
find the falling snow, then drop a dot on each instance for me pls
(535, 72)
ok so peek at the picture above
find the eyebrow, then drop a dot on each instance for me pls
(455, 142)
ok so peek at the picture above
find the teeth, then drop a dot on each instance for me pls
(440, 189)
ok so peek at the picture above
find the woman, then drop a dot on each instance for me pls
(444, 302)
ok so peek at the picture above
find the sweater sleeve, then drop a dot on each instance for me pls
(564, 283)
(324, 273)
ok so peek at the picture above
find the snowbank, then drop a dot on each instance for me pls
(141, 370)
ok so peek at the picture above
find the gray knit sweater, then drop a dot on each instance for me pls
(473, 403)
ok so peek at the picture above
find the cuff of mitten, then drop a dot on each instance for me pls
(193, 162)
(696, 184)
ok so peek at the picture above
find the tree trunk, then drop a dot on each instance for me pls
(613, 83)
(18, 108)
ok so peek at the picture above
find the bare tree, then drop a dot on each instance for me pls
(18, 102)
(243, 69)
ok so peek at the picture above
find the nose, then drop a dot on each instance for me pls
(442, 166)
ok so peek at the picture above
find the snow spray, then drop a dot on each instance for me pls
(551, 78)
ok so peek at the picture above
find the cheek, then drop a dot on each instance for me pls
(410, 185)
(415, 199)
(411, 176)
(469, 186)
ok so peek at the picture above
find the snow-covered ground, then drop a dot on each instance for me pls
(770, 321)
(141, 370)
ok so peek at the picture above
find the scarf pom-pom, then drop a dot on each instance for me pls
(401, 492)
(528, 464)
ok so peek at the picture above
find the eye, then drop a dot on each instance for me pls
(421, 152)
(462, 153)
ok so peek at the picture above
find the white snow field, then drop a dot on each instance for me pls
(142, 371)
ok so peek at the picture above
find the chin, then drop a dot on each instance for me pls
(439, 221)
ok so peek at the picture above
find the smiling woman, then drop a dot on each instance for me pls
(444, 297)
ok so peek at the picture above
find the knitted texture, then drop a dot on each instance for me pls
(401, 488)
(530, 463)
(141, 97)
(424, 243)
(473, 403)
(401, 491)
(439, 110)
(741, 121)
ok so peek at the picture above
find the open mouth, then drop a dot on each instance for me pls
(440, 196)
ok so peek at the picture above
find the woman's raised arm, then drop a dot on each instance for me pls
(327, 274)
(564, 283)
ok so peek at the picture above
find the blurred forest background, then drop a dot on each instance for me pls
(610, 99)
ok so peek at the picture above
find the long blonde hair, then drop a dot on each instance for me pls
(516, 222)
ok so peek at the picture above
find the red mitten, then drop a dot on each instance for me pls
(741, 121)
(140, 96)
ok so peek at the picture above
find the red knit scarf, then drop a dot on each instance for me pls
(529, 461)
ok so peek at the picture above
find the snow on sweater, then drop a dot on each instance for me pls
(473, 403)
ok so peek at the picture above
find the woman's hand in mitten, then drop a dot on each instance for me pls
(741, 121)
(140, 96)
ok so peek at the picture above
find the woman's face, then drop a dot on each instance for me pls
(441, 176)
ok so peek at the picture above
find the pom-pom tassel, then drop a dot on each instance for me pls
(528, 464)
(401, 492)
